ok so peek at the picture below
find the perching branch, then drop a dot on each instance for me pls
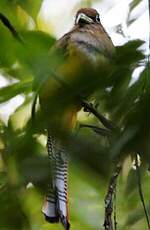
(115, 216)
(140, 190)
(90, 108)
(10, 27)
(96, 129)
(108, 223)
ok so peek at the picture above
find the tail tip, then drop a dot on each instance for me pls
(51, 219)
(65, 222)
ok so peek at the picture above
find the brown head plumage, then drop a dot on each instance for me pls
(87, 15)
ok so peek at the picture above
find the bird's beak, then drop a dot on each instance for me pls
(84, 18)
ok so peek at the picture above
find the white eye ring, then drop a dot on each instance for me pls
(97, 18)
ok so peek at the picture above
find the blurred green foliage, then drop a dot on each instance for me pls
(23, 157)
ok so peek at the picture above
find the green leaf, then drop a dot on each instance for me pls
(32, 7)
(131, 185)
(134, 3)
(11, 210)
(133, 93)
(38, 40)
(129, 54)
(7, 46)
(11, 91)
(136, 215)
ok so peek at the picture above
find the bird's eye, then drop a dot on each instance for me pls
(97, 18)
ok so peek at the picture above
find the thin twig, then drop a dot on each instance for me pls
(10, 27)
(115, 215)
(140, 190)
(108, 223)
(96, 129)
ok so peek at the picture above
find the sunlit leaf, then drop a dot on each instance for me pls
(32, 7)
(134, 3)
(11, 91)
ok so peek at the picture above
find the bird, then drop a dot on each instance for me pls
(85, 45)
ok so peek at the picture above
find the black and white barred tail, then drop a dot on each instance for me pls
(55, 206)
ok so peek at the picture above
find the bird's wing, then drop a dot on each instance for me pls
(62, 44)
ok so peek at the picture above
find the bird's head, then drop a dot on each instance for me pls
(87, 16)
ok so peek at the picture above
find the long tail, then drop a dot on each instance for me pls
(55, 206)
